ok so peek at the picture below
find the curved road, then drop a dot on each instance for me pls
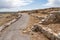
(13, 31)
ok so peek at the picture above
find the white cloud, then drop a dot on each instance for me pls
(53, 3)
(14, 3)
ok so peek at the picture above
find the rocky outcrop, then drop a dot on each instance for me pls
(51, 18)
(46, 31)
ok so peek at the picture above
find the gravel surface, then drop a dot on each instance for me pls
(13, 31)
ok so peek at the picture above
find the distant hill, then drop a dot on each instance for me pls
(46, 10)
(7, 12)
(41, 10)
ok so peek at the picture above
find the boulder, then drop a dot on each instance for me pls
(35, 28)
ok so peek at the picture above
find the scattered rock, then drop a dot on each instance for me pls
(35, 28)
(51, 18)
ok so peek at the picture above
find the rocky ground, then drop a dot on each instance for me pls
(4, 18)
(34, 35)
(51, 21)
(14, 31)
(28, 27)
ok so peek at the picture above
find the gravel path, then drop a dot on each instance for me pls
(13, 31)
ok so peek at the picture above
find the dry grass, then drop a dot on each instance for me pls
(38, 36)
(4, 18)
(55, 27)
(40, 14)
(33, 20)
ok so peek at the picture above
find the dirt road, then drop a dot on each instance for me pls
(13, 31)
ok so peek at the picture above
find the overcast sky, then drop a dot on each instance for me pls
(15, 5)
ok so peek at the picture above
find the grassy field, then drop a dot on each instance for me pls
(4, 18)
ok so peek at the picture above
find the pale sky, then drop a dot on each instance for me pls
(15, 5)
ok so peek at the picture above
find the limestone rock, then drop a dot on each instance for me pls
(51, 18)
(35, 28)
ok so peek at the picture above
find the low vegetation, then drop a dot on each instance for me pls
(4, 18)
(35, 19)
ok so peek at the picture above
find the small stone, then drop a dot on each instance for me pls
(35, 28)
(58, 36)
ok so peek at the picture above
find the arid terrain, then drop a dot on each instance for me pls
(31, 25)
(6, 17)
(36, 17)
